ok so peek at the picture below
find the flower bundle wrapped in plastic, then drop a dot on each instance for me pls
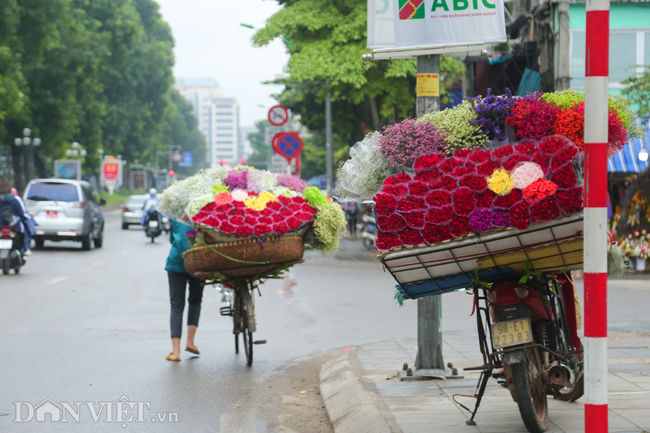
(453, 196)
(492, 111)
(363, 174)
(636, 244)
(402, 142)
(245, 202)
(456, 124)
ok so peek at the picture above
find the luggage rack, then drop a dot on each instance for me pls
(428, 270)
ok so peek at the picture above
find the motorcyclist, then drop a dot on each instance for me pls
(14, 214)
(150, 205)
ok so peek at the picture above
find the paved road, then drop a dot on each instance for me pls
(92, 327)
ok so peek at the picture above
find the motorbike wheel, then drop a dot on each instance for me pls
(152, 239)
(368, 243)
(5, 266)
(99, 241)
(40, 243)
(530, 389)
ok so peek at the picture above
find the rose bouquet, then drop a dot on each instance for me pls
(495, 189)
(248, 203)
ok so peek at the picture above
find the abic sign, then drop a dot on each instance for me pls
(416, 24)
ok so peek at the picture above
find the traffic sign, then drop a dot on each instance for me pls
(187, 160)
(278, 115)
(288, 144)
(177, 157)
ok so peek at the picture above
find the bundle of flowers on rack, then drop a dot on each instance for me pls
(230, 207)
(476, 191)
(636, 244)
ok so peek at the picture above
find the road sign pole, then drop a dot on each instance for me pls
(429, 361)
(595, 211)
(328, 139)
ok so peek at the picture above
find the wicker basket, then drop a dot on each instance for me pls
(259, 253)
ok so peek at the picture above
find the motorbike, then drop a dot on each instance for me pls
(10, 256)
(529, 343)
(369, 231)
(153, 225)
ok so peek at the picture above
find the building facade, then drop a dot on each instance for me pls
(218, 118)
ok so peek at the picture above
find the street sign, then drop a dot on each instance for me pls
(111, 174)
(187, 160)
(289, 144)
(278, 115)
(279, 164)
(67, 169)
(271, 131)
(177, 157)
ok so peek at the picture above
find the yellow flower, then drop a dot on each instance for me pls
(267, 197)
(500, 182)
(255, 203)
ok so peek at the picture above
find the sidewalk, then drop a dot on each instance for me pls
(363, 393)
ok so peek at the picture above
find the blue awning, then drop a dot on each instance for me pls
(627, 160)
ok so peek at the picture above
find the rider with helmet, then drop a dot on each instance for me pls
(151, 204)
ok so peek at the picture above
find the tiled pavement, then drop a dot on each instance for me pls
(427, 406)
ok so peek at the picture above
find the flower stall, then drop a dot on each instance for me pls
(250, 223)
(489, 188)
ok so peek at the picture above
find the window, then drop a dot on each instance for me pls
(628, 48)
(224, 106)
(224, 149)
(224, 128)
(53, 192)
(224, 142)
(224, 113)
(224, 135)
(224, 121)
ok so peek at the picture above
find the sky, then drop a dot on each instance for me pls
(210, 43)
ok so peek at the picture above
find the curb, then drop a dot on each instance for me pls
(350, 406)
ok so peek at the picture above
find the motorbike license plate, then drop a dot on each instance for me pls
(153, 223)
(511, 333)
(52, 214)
(6, 244)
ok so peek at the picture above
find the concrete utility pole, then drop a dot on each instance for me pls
(563, 78)
(429, 361)
(328, 139)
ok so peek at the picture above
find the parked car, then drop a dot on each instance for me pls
(132, 210)
(65, 210)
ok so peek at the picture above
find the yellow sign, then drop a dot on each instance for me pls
(428, 85)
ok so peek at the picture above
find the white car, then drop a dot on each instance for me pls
(132, 210)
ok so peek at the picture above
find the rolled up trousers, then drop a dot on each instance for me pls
(177, 284)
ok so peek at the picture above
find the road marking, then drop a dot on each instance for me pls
(56, 280)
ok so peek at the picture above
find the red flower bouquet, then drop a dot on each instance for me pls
(487, 168)
(520, 216)
(434, 234)
(411, 236)
(393, 223)
(437, 198)
(539, 189)
(565, 177)
(438, 215)
(508, 201)
(387, 241)
(545, 210)
(417, 189)
(427, 162)
(570, 200)
(385, 203)
(532, 117)
(474, 182)
(408, 204)
(414, 219)
(445, 182)
(459, 225)
(479, 156)
(485, 199)
(463, 201)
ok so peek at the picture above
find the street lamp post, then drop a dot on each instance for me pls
(28, 144)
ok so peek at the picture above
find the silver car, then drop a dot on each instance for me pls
(132, 210)
(65, 210)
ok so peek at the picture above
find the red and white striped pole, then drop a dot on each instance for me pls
(595, 233)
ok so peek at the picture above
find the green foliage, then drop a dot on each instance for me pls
(638, 91)
(328, 39)
(93, 71)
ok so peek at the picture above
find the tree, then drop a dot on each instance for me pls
(328, 38)
(638, 91)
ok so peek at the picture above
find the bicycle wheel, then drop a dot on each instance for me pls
(248, 346)
(531, 391)
(236, 343)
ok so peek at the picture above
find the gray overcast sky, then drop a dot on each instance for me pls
(210, 43)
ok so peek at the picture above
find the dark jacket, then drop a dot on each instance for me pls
(179, 245)
(15, 211)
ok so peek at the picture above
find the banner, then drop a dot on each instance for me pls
(414, 24)
(112, 172)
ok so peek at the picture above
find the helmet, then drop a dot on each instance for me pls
(153, 191)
